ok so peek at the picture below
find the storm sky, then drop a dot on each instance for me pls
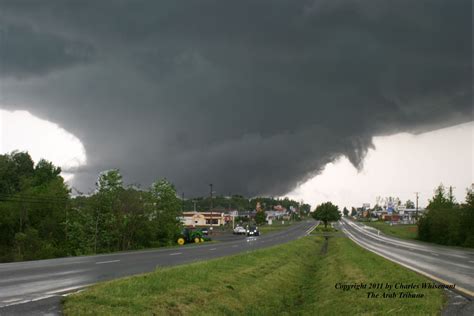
(253, 96)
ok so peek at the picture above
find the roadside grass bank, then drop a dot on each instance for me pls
(404, 231)
(293, 278)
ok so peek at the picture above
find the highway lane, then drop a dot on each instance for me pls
(26, 283)
(447, 265)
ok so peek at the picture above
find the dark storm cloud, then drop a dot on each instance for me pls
(26, 52)
(253, 96)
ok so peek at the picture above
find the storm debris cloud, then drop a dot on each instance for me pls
(253, 96)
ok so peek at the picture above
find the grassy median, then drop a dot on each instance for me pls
(275, 227)
(404, 231)
(294, 278)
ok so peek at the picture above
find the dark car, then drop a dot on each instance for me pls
(253, 231)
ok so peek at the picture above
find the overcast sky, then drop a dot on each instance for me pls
(256, 97)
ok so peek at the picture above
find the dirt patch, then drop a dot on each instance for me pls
(324, 248)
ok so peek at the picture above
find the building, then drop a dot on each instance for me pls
(408, 215)
(276, 214)
(203, 219)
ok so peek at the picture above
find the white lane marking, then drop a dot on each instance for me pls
(212, 249)
(103, 262)
(310, 230)
(12, 300)
(235, 246)
(471, 261)
(360, 228)
(19, 302)
(42, 298)
(434, 254)
(176, 253)
(382, 253)
(68, 289)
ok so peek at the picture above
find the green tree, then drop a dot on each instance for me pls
(260, 218)
(345, 211)
(445, 222)
(440, 199)
(33, 203)
(106, 211)
(109, 180)
(167, 210)
(305, 209)
(409, 204)
(327, 212)
(15, 169)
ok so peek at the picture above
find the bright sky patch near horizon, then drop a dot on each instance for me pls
(399, 165)
(19, 130)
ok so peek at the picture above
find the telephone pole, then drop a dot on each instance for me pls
(210, 193)
(417, 196)
(451, 196)
(182, 202)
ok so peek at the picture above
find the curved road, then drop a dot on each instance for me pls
(446, 265)
(36, 287)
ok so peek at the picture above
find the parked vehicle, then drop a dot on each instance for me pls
(239, 230)
(191, 236)
(205, 230)
(253, 231)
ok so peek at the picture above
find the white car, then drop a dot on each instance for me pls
(239, 230)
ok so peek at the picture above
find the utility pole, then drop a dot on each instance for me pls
(233, 216)
(210, 193)
(182, 202)
(417, 196)
(194, 202)
(451, 196)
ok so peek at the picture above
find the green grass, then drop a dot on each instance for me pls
(276, 226)
(321, 229)
(400, 231)
(291, 279)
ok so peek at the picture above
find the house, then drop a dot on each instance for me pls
(408, 215)
(277, 214)
(202, 219)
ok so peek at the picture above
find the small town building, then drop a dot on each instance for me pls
(203, 219)
(408, 215)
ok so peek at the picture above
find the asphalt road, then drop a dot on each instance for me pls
(446, 265)
(36, 287)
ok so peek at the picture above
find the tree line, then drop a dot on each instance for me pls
(447, 222)
(39, 218)
(241, 203)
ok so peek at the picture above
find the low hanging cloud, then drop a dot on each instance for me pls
(252, 96)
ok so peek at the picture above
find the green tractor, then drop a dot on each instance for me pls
(191, 236)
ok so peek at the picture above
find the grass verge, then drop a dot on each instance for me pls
(321, 229)
(294, 278)
(276, 226)
(404, 231)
